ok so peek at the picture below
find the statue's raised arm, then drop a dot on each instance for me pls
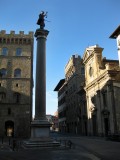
(41, 20)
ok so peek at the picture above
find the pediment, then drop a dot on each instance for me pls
(87, 54)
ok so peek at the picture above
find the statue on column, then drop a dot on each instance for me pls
(41, 20)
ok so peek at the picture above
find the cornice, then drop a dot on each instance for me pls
(108, 74)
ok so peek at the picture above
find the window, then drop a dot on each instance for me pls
(3, 72)
(2, 96)
(24, 41)
(16, 40)
(20, 41)
(8, 40)
(16, 84)
(9, 111)
(4, 40)
(90, 71)
(17, 97)
(18, 52)
(4, 51)
(17, 73)
(12, 40)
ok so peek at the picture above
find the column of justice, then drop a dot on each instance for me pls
(40, 91)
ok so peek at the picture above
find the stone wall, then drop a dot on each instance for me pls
(16, 104)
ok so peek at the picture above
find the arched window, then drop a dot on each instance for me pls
(4, 51)
(17, 73)
(3, 72)
(18, 51)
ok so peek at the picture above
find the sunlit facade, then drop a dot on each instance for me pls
(102, 86)
(16, 82)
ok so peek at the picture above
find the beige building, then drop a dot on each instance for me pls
(16, 82)
(74, 78)
(102, 86)
(71, 112)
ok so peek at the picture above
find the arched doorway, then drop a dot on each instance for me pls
(9, 128)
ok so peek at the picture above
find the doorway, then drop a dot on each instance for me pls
(9, 128)
(106, 124)
(94, 124)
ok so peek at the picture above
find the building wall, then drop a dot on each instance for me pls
(74, 73)
(62, 108)
(16, 104)
(101, 75)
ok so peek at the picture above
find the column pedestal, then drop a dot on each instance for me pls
(40, 136)
(40, 128)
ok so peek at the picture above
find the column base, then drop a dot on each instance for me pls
(40, 129)
(40, 136)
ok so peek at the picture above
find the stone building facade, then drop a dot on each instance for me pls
(16, 83)
(102, 86)
(74, 77)
(61, 89)
(72, 115)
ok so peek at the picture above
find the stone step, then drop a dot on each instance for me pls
(32, 144)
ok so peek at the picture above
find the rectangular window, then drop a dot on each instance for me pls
(9, 111)
(18, 52)
(4, 51)
(17, 97)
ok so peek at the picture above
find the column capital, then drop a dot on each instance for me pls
(41, 32)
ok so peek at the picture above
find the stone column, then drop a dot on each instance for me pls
(40, 127)
(99, 115)
(40, 91)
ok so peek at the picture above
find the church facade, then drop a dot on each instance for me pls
(16, 82)
(102, 86)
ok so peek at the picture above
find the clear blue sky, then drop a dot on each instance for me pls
(74, 25)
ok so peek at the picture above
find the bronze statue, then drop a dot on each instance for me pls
(41, 19)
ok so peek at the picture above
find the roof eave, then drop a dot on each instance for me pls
(115, 33)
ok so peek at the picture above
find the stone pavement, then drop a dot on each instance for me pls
(61, 153)
(84, 148)
(47, 154)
